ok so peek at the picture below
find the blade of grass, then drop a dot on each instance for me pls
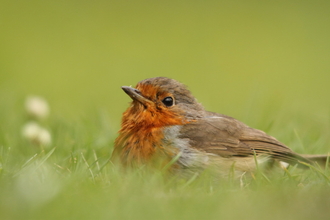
(29, 160)
(258, 170)
(190, 180)
(45, 157)
(42, 161)
(89, 168)
(174, 159)
(96, 160)
(318, 171)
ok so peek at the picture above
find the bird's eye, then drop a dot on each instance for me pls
(168, 101)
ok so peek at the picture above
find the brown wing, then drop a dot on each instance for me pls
(228, 137)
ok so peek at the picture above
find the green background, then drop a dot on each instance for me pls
(77, 54)
(265, 63)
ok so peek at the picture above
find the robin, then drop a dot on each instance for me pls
(165, 121)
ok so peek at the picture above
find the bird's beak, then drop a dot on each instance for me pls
(135, 94)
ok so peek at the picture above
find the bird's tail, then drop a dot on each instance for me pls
(321, 159)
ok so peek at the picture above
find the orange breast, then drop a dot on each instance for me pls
(141, 134)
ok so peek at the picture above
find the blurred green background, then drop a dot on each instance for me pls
(231, 54)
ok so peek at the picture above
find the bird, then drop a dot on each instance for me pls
(165, 122)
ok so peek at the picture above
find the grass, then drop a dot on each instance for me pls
(73, 179)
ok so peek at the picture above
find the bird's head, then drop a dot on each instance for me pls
(160, 102)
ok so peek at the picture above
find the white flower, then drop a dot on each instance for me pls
(37, 107)
(44, 137)
(36, 134)
(284, 165)
(31, 130)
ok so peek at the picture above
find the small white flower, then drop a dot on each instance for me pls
(37, 107)
(36, 134)
(284, 165)
(44, 137)
(31, 130)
